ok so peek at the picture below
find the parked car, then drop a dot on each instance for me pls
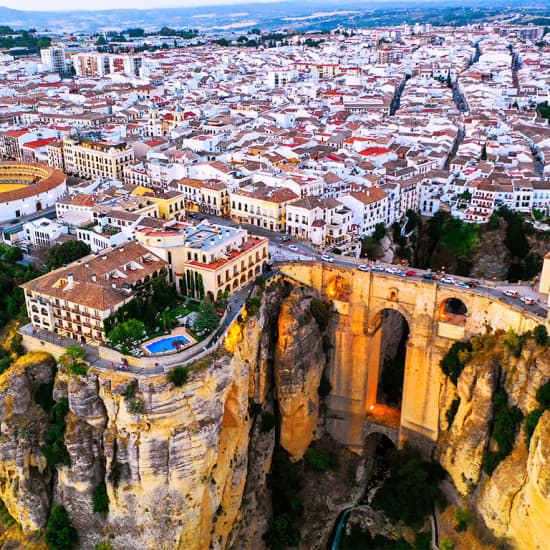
(510, 293)
(294, 248)
(285, 238)
(429, 276)
(326, 258)
(448, 280)
(527, 300)
(363, 267)
(378, 268)
(410, 273)
(462, 284)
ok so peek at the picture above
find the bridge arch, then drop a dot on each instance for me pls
(453, 310)
(389, 332)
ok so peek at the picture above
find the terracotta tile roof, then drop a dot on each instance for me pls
(108, 289)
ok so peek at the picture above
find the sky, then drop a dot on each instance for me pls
(52, 5)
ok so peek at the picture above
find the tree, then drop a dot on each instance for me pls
(406, 495)
(101, 41)
(379, 231)
(67, 252)
(14, 254)
(60, 534)
(208, 318)
(72, 359)
(540, 334)
(126, 334)
(178, 376)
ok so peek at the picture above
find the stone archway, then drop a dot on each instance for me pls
(389, 331)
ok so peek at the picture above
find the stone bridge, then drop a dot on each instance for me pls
(359, 299)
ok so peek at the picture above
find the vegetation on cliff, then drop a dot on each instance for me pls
(505, 426)
(55, 450)
(533, 417)
(408, 492)
(284, 481)
(178, 376)
(60, 534)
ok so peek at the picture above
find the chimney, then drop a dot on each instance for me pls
(94, 277)
(113, 285)
(70, 279)
(104, 256)
(122, 249)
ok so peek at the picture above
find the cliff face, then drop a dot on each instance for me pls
(299, 364)
(176, 462)
(514, 502)
(24, 476)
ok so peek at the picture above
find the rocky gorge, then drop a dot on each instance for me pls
(192, 467)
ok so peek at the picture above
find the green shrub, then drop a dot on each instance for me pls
(446, 544)
(136, 407)
(79, 369)
(540, 334)
(281, 533)
(453, 361)
(253, 305)
(268, 421)
(451, 412)
(463, 517)
(178, 376)
(103, 546)
(320, 309)
(100, 499)
(320, 461)
(5, 363)
(16, 344)
(514, 342)
(131, 389)
(505, 422)
(5, 516)
(530, 424)
(60, 534)
(55, 450)
(543, 395)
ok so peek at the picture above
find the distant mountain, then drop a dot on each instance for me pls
(237, 18)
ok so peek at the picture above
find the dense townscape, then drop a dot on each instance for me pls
(276, 289)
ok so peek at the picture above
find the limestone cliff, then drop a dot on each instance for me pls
(24, 476)
(514, 502)
(176, 461)
(299, 364)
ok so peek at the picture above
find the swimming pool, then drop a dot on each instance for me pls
(167, 344)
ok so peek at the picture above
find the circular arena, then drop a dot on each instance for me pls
(26, 188)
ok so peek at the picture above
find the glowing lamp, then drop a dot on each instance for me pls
(371, 407)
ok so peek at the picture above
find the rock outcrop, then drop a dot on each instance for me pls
(514, 502)
(24, 476)
(299, 364)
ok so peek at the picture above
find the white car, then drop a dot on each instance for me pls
(527, 300)
(363, 267)
(326, 258)
(511, 293)
(294, 248)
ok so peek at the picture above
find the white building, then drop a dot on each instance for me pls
(43, 232)
(369, 208)
(53, 60)
(322, 221)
